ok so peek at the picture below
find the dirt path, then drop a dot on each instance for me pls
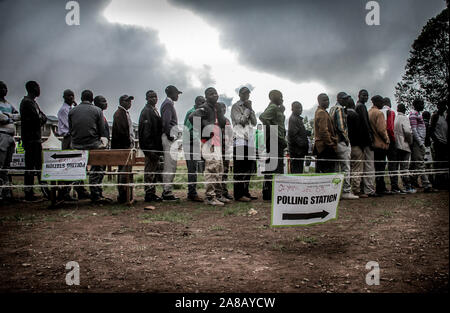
(186, 247)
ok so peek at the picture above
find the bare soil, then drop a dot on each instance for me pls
(191, 247)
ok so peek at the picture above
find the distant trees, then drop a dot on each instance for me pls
(427, 68)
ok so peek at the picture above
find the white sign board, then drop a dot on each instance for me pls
(18, 160)
(64, 165)
(305, 199)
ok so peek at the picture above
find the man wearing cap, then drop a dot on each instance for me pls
(63, 131)
(123, 138)
(87, 128)
(170, 134)
(150, 132)
(380, 143)
(338, 114)
(273, 116)
(244, 119)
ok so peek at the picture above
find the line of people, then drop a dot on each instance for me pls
(349, 139)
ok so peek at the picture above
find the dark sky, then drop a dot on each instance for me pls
(325, 41)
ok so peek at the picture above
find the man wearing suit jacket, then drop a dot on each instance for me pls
(123, 138)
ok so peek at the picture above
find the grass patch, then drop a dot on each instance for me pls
(170, 216)
(306, 239)
(240, 209)
(216, 228)
(387, 213)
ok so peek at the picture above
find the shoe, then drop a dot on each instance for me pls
(214, 202)
(68, 198)
(374, 195)
(363, 195)
(411, 190)
(244, 199)
(386, 193)
(153, 198)
(170, 198)
(399, 191)
(195, 198)
(83, 195)
(101, 200)
(429, 190)
(227, 196)
(251, 197)
(224, 200)
(31, 198)
(349, 196)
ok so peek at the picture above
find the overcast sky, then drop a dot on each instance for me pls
(121, 47)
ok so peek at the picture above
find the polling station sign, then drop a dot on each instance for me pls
(305, 199)
(64, 165)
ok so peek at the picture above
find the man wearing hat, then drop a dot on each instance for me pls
(123, 138)
(170, 134)
(244, 119)
(338, 114)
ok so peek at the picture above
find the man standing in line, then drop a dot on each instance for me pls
(32, 120)
(439, 135)
(212, 123)
(381, 142)
(244, 119)
(368, 188)
(170, 134)
(273, 116)
(227, 138)
(150, 132)
(191, 139)
(297, 138)
(87, 128)
(338, 115)
(403, 141)
(389, 115)
(418, 146)
(357, 154)
(8, 115)
(325, 139)
(123, 138)
(63, 130)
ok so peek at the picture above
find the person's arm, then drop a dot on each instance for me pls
(221, 119)
(267, 116)
(339, 122)
(407, 133)
(381, 127)
(166, 116)
(433, 123)
(323, 132)
(413, 123)
(4, 119)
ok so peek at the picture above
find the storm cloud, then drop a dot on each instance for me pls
(325, 41)
(110, 59)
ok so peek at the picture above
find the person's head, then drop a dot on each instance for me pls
(3, 90)
(199, 100)
(418, 105)
(151, 97)
(244, 93)
(442, 106)
(401, 108)
(33, 88)
(211, 95)
(68, 96)
(387, 102)
(350, 103)
(172, 92)
(87, 96)
(378, 101)
(100, 101)
(222, 106)
(342, 98)
(426, 115)
(323, 101)
(125, 101)
(276, 97)
(296, 108)
(363, 96)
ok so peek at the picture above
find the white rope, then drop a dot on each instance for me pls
(191, 183)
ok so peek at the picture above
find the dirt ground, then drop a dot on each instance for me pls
(187, 247)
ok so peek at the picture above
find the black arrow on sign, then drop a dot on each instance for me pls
(304, 216)
(66, 156)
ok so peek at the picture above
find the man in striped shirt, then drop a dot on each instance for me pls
(418, 147)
